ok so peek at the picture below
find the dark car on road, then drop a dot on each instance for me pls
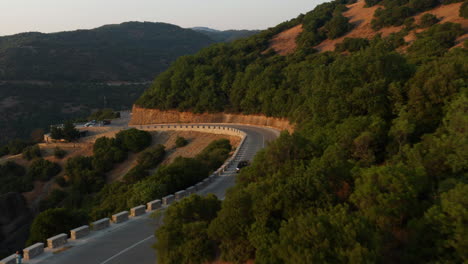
(241, 165)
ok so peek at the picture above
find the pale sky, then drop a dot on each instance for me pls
(63, 15)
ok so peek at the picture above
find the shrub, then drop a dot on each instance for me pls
(152, 157)
(17, 146)
(181, 142)
(337, 26)
(55, 221)
(422, 5)
(31, 152)
(14, 178)
(190, 217)
(102, 114)
(370, 3)
(59, 153)
(55, 197)
(352, 44)
(394, 16)
(464, 9)
(428, 20)
(3, 151)
(133, 139)
(135, 174)
(61, 181)
(43, 170)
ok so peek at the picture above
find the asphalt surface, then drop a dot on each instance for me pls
(131, 242)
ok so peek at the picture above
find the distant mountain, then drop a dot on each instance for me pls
(227, 35)
(132, 51)
(72, 73)
(207, 29)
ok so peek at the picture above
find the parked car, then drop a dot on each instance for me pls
(242, 164)
(90, 123)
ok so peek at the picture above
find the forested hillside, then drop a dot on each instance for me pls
(225, 35)
(48, 78)
(376, 171)
(131, 51)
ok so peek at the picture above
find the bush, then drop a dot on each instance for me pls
(55, 197)
(135, 174)
(370, 3)
(13, 178)
(31, 152)
(181, 142)
(352, 44)
(422, 5)
(17, 146)
(394, 16)
(43, 170)
(83, 175)
(184, 238)
(337, 26)
(464, 9)
(152, 157)
(52, 222)
(103, 114)
(61, 181)
(428, 20)
(3, 151)
(133, 139)
(59, 153)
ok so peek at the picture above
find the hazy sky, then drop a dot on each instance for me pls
(59, 15)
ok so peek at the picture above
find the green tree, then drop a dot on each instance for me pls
(133, 139)
(183, 238)
(181, 142)
(53, 222)
(327, 236)
(31, 152)
(43, 170)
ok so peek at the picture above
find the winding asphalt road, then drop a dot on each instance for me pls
(131, 242)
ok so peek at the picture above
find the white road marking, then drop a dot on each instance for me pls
(127, 249)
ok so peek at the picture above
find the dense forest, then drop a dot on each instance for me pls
(376, 170)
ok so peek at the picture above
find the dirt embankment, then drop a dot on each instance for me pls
(144, 116)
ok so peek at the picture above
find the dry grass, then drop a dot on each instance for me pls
(285, 42)
(197, 142)
(361, 16)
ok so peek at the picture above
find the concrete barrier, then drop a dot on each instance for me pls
(9, 260)
(120, 217)
(100, 224)
(168, 199)
(180, 194)
(57, 241)
(79, 232)
(136, 211)
(33, 251)
(190, 190)
(153, 205)
(199, 186)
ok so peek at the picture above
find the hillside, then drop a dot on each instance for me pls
(225, 35)
(73, 73)
(375, 171)
(131, 51)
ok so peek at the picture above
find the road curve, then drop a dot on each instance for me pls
(131, 242)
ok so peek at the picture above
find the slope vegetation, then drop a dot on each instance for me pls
(375, 171)
(130, 51)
